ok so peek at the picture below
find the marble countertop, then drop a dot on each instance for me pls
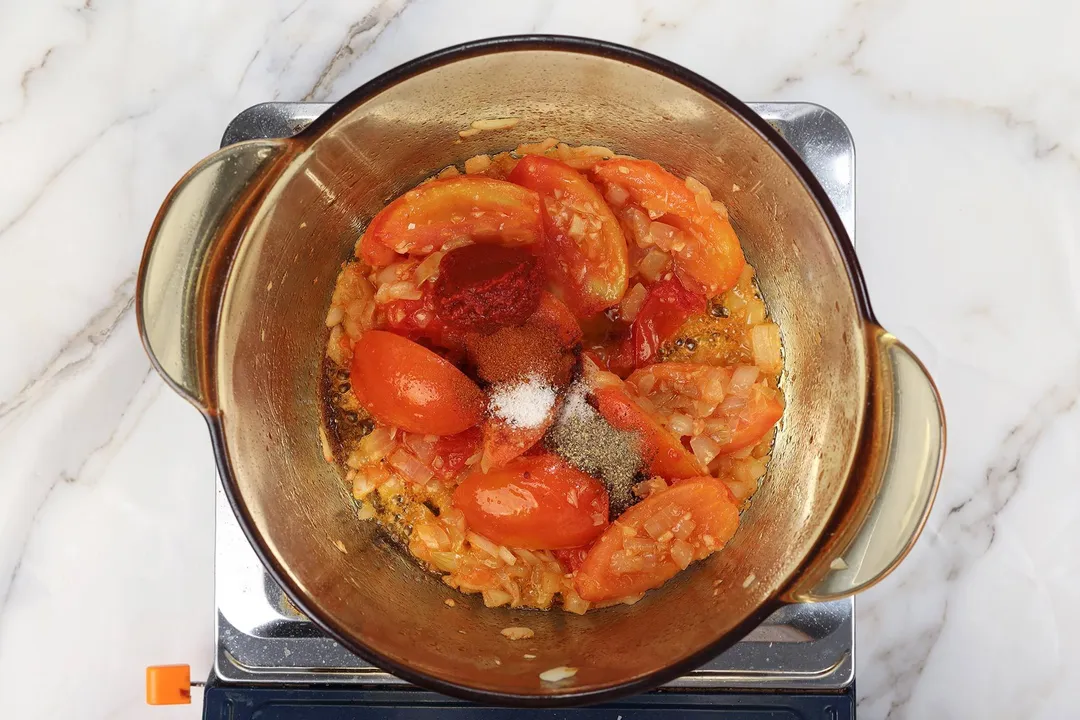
(965, 118)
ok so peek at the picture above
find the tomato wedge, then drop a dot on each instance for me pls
(655, 539)
(405, 385)
(538, 502)
(711, 259)
(663, 452)
(585, 251)
(426, 218)
(750, 406)
(747, 425)
(666, 307)
(504, 442)
(452, 452)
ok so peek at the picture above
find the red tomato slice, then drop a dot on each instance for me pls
(735, 425)
(537, 502)
(452, 452)
(712, 258)
(649, 543)
(749, 424)
(585, 251)
(417, 320)
(504, 442)
(571, 558)
(664, 453)
(666, 307)
(428, 217)
(405, 385)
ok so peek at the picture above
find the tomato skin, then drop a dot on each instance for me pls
(536, 502)
(764, 409)
(504, 442)
(713, 259)
(426, 218)
(716, 518)
(572, 558)
(663, 452)
(455, 450)
(590, 273)
(416, 320)
(667, 306)
(405, 385)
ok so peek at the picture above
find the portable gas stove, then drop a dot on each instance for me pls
(272, 662)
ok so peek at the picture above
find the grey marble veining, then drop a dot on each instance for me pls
(969, 232)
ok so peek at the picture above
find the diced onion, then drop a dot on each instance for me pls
(705, 448)
(359, 316)
(402, 290)
(654, 264)
(432, 535)
(494, 597)
(506, 556)
(631, 303)
(638, 546)
(421, 446)
(720, 208)
(741, 380)
(445, 561)
(765, 340)
(366, 511)
(577, 228)
(682, 553)
(666, 237)
(389, 274)
(740, 489)
(694, 186)
(681, 424)
(477, 164)
(616, 195)
(663, 521)
(684, 527)
(645, 382)
(647, 488)
(637, 223)
(712, 389)
(755, 312)
(335, 316)
(749, 470)
(428, 268)
(479, 541)
(375, 446)
(368, 479)
(410, 467)
(558, 673)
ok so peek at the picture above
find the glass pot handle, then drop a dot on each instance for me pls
(187, 254)
(893, 482)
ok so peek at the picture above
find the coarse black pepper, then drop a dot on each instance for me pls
(589, 443)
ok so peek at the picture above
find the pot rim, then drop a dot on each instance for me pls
(646, 61)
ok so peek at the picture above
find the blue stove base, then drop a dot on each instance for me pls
(230, 702)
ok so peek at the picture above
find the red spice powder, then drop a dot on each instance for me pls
(512, 354)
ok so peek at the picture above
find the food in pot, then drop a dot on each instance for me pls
(552, 378)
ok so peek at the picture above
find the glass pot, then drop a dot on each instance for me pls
(236, 281)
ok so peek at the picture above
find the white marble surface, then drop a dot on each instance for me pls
(966, 121)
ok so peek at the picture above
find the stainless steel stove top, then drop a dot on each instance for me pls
(262, 639)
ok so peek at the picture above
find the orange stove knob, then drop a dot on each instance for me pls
(168, 685)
